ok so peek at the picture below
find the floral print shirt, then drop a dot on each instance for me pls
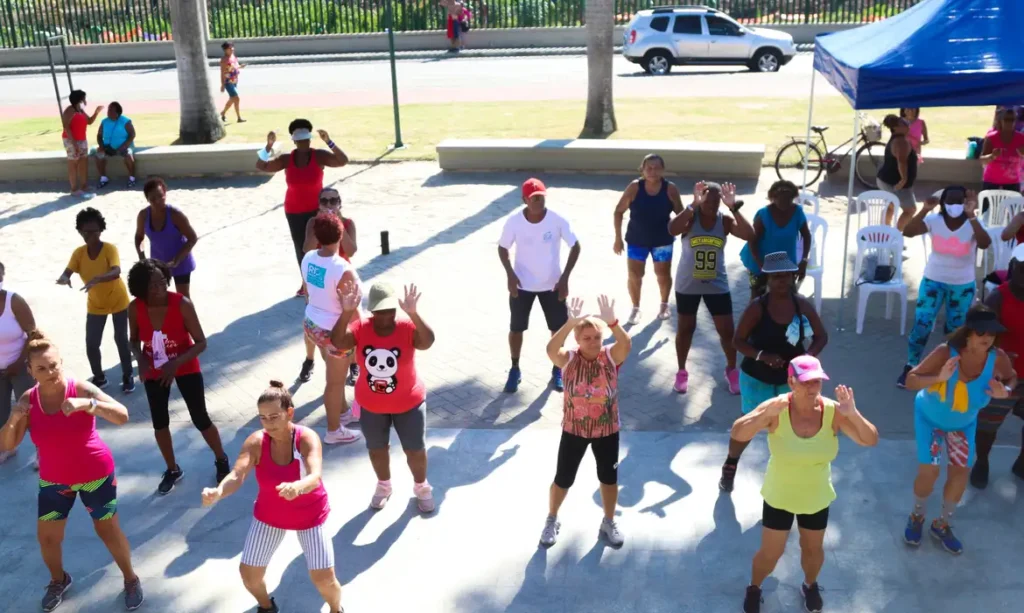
(591, 408)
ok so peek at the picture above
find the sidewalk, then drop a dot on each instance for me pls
(688, 547)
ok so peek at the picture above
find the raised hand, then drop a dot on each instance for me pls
(971, 204)
(412, 298)
(698, 191)
(949, 368)
(997, 390)
(606, 309)
(350, 296)
(729, 196)
(324, 136)
(271, 139)
(844, 395)
(575, 307)
(930, 203)
(211, 495)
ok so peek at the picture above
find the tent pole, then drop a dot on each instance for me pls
(810, 116)
(846, 235)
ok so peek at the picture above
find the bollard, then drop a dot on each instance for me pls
(385, 246)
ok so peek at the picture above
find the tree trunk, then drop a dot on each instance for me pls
(600, 120)
(200, 123)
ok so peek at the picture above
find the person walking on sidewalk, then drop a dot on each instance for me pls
(304, 174)
(16, 322)
(537, 233)
(115, 138)
(167, 339)
(325, 273)
(1008, 304)
(803, 440)
(288, 461)
(772, 331)
(651, 201)
(590, 412)
(230, 70)
(954, 383)
(60, 413)
(173, 243)
(390, 392)
(98, 264)
(702, 273)
(776, 228)
(949, 274)
(76, 124)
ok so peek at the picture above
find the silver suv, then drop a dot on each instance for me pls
(660, 38)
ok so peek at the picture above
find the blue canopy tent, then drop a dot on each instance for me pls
(937, 53)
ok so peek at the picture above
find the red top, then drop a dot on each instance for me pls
(307, 511)
(79, 125)
(70, 450)
(1011, 315)
(388, 382)
(173, 336)
(304, 185)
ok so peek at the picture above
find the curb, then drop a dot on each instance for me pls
(436, 55)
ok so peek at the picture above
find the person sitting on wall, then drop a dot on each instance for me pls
(115, 138)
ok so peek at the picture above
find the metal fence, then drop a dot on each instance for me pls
(26, 23)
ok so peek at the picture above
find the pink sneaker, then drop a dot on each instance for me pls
(682, 381)
(424, 497)
(732, 377)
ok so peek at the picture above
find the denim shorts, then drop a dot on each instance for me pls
(231, 89)
(658, 254)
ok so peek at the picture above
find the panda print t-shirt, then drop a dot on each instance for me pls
(387, 382)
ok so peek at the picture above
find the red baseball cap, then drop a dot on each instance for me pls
(533, 187)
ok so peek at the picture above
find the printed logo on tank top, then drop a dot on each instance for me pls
(705, 256)
(316, 275)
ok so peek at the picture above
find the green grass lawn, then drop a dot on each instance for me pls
(365, 132)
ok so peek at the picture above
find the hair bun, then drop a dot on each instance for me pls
(276, 383)
(36, 335)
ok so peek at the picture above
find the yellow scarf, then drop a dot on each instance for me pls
(960, 402)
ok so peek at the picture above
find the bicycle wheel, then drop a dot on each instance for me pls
(869, 160)
(789, 162)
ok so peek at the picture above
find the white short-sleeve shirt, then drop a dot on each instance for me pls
(538, 250)
(953, 253)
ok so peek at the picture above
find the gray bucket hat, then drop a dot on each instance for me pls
(778, 262)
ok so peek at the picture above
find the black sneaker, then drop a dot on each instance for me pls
(752, 601)
(273, 608)
(128, 384)
(171, 477)
(812, 597)
(902, 381)
(55, 593)
(728, 477)
(353, 375)
(979, 475)
(307, 371)
(223, 469)
(100, 382)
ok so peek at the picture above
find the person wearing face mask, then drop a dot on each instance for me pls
(173, 242)
(304, 174)
(76, 141)
(16, 322)
(899, 170)
(953, 384)
(949, 277)
(803, 440)
(703, 230)
(590, 411)
(776, 228)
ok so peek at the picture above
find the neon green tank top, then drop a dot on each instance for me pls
(799, 475)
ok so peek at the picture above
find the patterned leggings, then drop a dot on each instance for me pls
(931, 296)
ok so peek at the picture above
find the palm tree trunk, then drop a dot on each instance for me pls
(200, 123)
(600, 120)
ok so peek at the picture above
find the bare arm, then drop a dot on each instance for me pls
(753, 244)
(901, 150)
(335, 158)
(140, 233)
(312, 454)
(741, 228)
(924, 133)
(623, 344)
(106, 407)
(27, 322)
(916, 226)
(134, 342)
(348, 239)
(805, 233)
(99, 135)
(750, 318)
(194, 329)
(851, 422)
(1003, 371)
(988, 152)
(341, 336)
(423, 338)
(130, 129)
(764, 417)
(191, 238)
(309, 243)
(95, 114)
(820, 334)
(1012, 228)
(681, 224)
(13, 431)
(110, 275)
(929, 371)
(675, 197)
(557, 352)
(574, 255)
(620, 210)
(247, 458)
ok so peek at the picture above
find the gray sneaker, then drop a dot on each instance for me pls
(550, 534)
(55, 593)
(133, 596)
(610, 531)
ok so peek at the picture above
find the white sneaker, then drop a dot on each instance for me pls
(664, 312)
(380, 496)
(424, 497)
(610, 531)
(549, 536)
(7, 455)
(349, 417)
(342, 436)
(634, 316)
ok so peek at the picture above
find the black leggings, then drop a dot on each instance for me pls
(193, 392)
(297, 227)
(571, 450)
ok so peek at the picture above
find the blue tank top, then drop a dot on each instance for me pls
(648, 217)
(775, 238)
(954, 405)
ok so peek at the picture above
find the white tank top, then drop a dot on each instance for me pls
(12, 337)
(322, 275)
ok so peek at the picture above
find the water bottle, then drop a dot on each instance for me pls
(972, 150)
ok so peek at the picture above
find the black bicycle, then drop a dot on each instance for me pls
(789, 162)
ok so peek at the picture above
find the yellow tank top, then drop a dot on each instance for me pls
(799, 475)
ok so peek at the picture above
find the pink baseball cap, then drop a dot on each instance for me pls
(806, 368)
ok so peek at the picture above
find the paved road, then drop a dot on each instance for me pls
(444, 79)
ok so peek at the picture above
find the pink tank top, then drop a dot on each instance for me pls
(307, 511)
(71, 452)
(916, 134)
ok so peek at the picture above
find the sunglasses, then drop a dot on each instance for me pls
(330, 201)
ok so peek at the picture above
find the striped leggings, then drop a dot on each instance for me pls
(263, 540)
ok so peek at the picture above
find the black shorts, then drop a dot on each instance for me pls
(777, 519)
(555, 311)
(571, 450)
(718, 304)
(182, 279)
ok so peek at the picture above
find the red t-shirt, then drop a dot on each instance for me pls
(388, 382)
(1011, 315)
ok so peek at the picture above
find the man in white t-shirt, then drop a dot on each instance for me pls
(538, 233)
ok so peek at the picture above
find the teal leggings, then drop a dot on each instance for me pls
(931, 297)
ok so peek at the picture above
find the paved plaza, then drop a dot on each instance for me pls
(491, 455)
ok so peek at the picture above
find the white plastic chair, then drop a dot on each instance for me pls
(816, 265)
(876, 203)
(881, 239)
(997, 256)
(808, 199)
(1011, 206)
(995, 198)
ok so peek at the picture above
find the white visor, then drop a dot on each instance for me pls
(301, 134)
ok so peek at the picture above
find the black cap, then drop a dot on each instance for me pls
(984, 322)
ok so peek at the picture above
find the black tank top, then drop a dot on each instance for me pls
(770, 336)
(890, 170)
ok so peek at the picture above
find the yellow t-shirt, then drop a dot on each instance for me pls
(104, 298)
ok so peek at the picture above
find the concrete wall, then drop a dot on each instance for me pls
(512, 38)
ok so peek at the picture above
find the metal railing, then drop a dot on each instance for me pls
(28, 23)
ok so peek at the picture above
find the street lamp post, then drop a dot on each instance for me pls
(394, 76)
